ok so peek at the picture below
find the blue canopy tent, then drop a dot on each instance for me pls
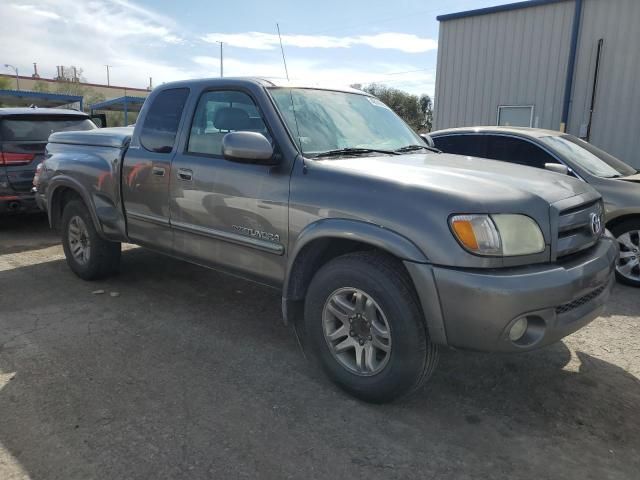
(25, 98)
(124, 104)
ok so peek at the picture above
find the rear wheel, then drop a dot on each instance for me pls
(89, 256)
(364, 325)
(627, 234)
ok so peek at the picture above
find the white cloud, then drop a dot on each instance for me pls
(89, 35)
(404, 42)
(113, 19)
(139, 43)
(33, 10)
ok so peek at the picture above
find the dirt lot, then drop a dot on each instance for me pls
(190, 374)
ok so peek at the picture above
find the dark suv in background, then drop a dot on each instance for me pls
(617, 182)
(23, 137)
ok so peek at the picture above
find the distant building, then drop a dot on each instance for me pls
(541, 63)
(108, 92)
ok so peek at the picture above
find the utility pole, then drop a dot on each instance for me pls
(16, 71)
(108, 66)
(221, 59)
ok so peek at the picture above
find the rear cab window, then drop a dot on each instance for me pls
(162, 120)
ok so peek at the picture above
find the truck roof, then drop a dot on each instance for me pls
(39, 111)
(262, 81)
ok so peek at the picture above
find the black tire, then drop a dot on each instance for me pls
(412, 358)
(103, 258)
(631, 225)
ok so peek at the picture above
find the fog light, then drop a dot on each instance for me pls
(518, 329)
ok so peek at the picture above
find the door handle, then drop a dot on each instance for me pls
(185, 174)
(159, 171)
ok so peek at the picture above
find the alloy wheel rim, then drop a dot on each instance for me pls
(79, 242)
(629, 261)
(356, 331)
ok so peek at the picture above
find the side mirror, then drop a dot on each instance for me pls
(557, 167)
(428, 140)
(248, 147)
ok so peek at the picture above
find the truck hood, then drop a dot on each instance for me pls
(481, 181)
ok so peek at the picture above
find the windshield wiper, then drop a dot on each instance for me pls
(413, 148)
(352, 151)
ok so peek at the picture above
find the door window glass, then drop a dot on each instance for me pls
(515, 150)
(219, 113)
(469, 145)
(161, 123)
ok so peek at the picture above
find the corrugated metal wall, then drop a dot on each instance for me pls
(616, 118)
(519, 57)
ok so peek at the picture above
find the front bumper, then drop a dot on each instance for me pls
(476, 309)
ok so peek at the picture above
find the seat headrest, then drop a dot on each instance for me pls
(229, 118)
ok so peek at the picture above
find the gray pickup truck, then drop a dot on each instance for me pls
(383, 249)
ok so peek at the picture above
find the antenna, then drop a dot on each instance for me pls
(284, 60)
(221, 59)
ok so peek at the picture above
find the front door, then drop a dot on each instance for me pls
(147, 171)
(227, 214)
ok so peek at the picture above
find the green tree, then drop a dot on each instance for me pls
(6, 83)
(426, 107)
(406, 105)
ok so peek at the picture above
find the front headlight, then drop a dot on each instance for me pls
(505, 235)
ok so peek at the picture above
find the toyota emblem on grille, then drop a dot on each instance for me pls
(596, 224)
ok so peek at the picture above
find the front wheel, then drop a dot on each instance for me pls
(364, 325)
(627, 234)
(89, 256)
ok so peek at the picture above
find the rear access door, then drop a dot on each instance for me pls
(146, 170)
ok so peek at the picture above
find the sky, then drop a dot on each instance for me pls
(392, 42)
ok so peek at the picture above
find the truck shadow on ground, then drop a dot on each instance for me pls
(185, 372)
(22, 233)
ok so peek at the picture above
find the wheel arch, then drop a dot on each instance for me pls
(623, 217)
(62, 190)
(326, 239)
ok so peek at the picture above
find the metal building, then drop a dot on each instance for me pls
(556, 64)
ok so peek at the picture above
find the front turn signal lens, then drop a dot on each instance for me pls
(477, 233)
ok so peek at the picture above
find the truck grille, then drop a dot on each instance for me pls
(576, 228)
(578, 302)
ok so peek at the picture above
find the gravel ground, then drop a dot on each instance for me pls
(179, 372)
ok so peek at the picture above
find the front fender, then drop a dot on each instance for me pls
(359, 231)
(346, 229)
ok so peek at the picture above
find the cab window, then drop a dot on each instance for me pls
(161, 123)
(221, 112)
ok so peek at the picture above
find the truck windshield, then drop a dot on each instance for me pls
(595, 161)
(324, 121)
